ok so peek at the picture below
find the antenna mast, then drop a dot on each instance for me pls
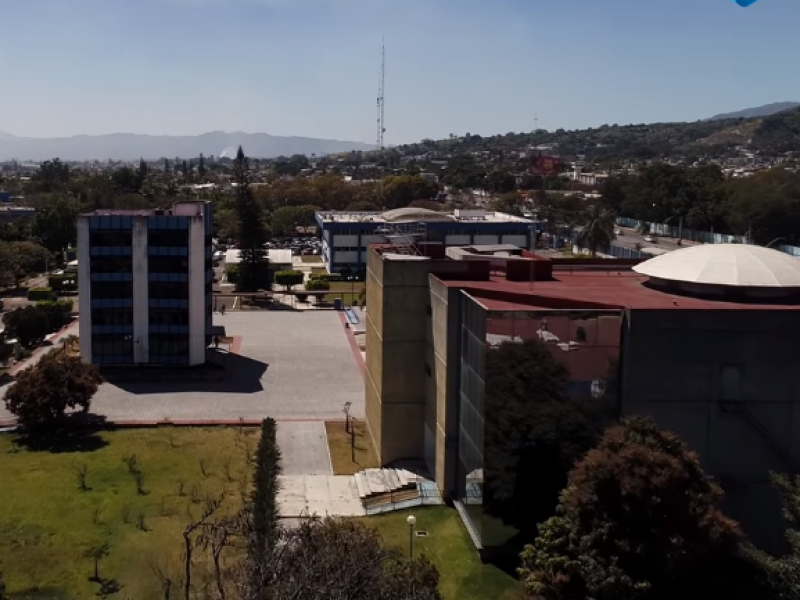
(381, 122)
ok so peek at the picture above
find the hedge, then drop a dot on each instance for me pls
(327, 276)
(317, 285)
(40, 293)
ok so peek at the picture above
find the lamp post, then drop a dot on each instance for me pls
(411, 520)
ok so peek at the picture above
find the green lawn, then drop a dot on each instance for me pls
(311, 259)
(47, 523)
(346, 290)
(462, 575)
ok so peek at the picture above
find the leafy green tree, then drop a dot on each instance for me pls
(781, 575)
(54, 224)
(533, 433)
(401, 190)
(41, 394)
(598, 229)
(289, 278)
(52, 176)
(510, 203)
(252, 234)
(639, 518)
(28, 325)
(286, 218)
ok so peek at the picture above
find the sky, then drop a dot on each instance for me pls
(311, 67)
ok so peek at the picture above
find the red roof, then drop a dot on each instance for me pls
(590, 290)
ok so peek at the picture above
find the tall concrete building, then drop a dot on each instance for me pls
(145, 282)
(700, 339)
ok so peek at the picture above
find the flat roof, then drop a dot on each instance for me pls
(278, 257)
(418, 216)
(619, 289)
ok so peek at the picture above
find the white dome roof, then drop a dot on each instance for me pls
(741, 265)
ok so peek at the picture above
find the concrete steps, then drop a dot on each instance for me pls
(375, 482)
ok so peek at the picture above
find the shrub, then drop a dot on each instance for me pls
(232, 273)
(28, 325)
(59, 313)
(301, 297)
(317, 285)
(327, 276)
(289, 278)
(40, 293)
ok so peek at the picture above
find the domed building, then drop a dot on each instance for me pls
(702, 340)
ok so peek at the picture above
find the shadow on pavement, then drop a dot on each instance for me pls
(223, 372)
(78, 433)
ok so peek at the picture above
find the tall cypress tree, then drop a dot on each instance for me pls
(254, 265)
(264, 498)
(201, 166)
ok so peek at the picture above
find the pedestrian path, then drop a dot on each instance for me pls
(320, 495)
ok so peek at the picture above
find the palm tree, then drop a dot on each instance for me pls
(598, 228)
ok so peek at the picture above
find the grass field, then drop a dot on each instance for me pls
(47, 522)
(311, 259)
(462, 575)
(346, 290)
(339, 443)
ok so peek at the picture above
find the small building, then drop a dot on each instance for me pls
(145, 283)
(346, 236)
(279, 259)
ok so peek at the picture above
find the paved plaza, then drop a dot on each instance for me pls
(289, 366)
(333, 495)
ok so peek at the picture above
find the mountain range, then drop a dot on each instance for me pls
(129, 146)
(758, 111)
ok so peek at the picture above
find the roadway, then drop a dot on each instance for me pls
(628, 238)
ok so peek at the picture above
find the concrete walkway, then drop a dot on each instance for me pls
(304, 448)
(321, 495)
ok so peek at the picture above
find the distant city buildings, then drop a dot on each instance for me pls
(145, 281)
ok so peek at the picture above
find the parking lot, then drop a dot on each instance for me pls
(290, 366)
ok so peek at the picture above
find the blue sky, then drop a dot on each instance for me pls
(310, 67)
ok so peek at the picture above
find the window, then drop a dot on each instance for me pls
(112, 316)
(111, 264)
(159, 289)
(169, 317)
(168, 264)
(730, 385)
(168, 237)
(169, 344)
(112, 345)
(117, 289)
(100, 237)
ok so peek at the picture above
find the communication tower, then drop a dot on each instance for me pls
(381, 122)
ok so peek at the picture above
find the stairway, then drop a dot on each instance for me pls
(373, 483)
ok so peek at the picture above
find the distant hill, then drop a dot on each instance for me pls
(129, 146)
(759, 111)
(768, 136)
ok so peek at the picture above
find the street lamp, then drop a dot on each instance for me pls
(411, 520)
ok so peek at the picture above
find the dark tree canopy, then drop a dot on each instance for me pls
(638, 518)
(42, 394)
(533, 433)
(252, 234)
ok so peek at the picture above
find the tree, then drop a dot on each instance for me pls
(201, 166)
(96, 553)
(55, 220)
(533, 432)
(263, 509)
(29, 325)
(41, 394)
(2, 588)
(52, 176)
(598, 229)
(286, 218)
(638, 518)
(289, 278)
(781, 575)
(254, 266)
